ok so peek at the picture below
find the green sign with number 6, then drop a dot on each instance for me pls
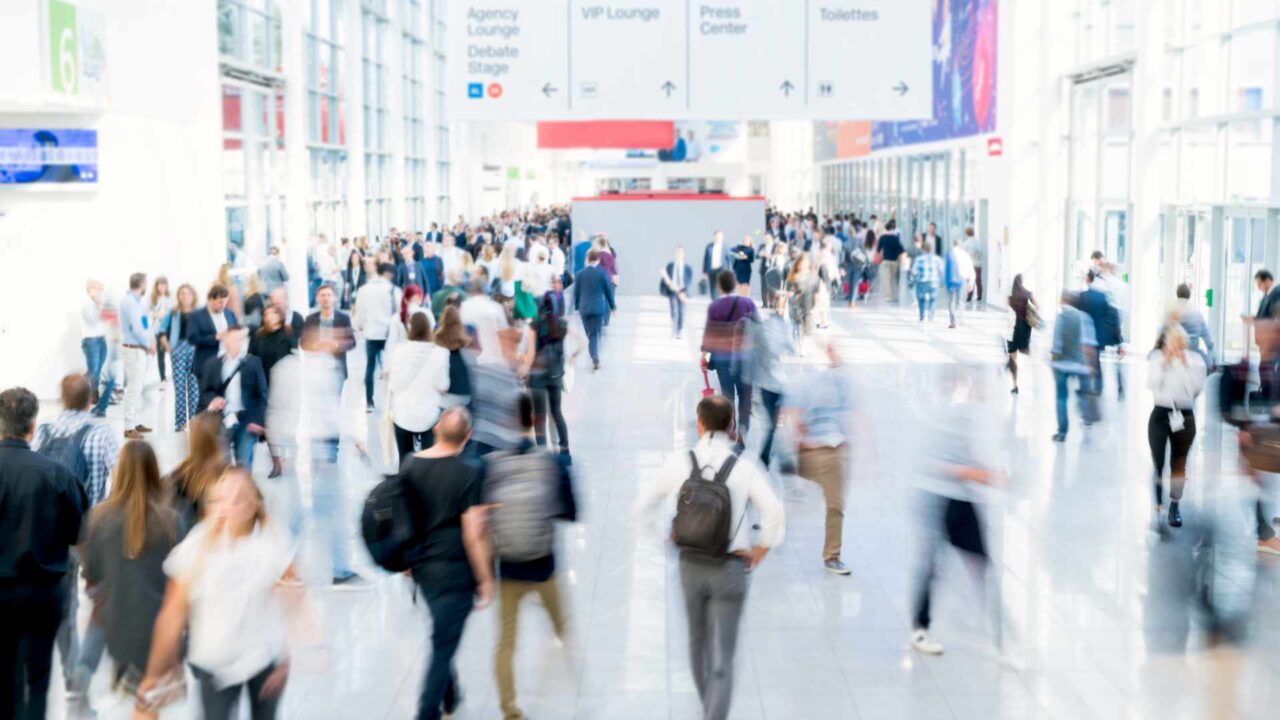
(64, 55)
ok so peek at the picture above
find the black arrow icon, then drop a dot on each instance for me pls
(901, 88)
(548, 89)
(786, 87)
(667, 87)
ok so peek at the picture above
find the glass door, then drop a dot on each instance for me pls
(1245, 241)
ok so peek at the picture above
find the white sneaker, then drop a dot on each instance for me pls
(921, 641)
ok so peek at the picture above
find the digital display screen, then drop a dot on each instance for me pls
(38, 156)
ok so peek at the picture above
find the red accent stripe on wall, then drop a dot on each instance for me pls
(612, 134)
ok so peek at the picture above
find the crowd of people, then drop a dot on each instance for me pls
(469, 346)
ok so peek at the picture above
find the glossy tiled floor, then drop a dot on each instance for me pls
(1095, 615)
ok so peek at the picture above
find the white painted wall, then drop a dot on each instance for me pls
(157, 206)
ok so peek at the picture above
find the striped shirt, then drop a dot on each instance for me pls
(927, 269)
(101, 448)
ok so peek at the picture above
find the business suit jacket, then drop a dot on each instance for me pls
(410, 273)
(203, 336)
(253, 388)
(726, 259)
(671, 273)
(593, 292)
(432, 269)
(342, 331)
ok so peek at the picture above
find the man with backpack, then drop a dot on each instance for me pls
(89, 451)
(714, 488)
(41, 507)
(1097, 304)
(526, 489)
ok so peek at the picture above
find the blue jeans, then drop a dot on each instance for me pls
(772, 408)
(677, 312)
(926, 297)
(108, 381)
(1061, 384)
(449, 611)
(328, 503)
(372, 351)
(95, 354)
(592, 325)
(242, 443)
(734, 387)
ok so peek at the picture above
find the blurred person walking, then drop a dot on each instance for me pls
(771, 342)
(818, 404)
(138, 345)
(452, 336)
(173, 337)
(454, 568)
(926, 273)
(225, 593)
(273, 342)
(202, 466)
(93, 340)
(330, 329)
(725, 347)
(417, 374)
(160, 305)
(41, 507)
(234, 386)
(593, 298)
(889, 250)
(1097, 304)
(715, 257)
(674, 286)
(1075, 346)
(206, 328)
(525, 490)
(714, 488)
(1199, 337)
(744, 254)
(1025, 317)
(377, 304)
(128, 537)
(958, 280)
(802, 289)
(273, 272)
(1175, 377)
(545, 362)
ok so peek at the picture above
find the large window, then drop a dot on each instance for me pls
(415, 130)
(253, 169)
(326, 128)
(441, 126)
(377, 159)
(249, 33)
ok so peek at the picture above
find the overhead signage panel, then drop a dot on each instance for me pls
(675, 59)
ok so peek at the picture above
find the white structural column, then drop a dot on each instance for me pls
(352, 83)
(1147, 165)
(297, 214)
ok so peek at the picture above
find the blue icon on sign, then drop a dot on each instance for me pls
(475, 90)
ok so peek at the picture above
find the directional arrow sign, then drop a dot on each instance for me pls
(787, 86)
(548, 89)
(901, 88)
(667, 87)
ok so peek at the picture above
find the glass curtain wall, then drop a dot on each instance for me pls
(443, 168)
(326, 127)
(414, 143)
(377, 151)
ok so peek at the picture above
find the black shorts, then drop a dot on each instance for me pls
(964, 531)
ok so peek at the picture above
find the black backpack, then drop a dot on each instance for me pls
(68, 451)
(387, 525)
(704, 511)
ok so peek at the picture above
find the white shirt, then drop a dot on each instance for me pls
(237, 624)
(219, 324)
(487, 317)
(1175, 384)
(540, 275)
(717, 255)
(557, 261)
(376, 303)
(418, 373)
(91, 319)
(746, 482)
(451, 257)
(232, 395)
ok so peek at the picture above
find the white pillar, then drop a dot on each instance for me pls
(1147, 297)
(297, 172)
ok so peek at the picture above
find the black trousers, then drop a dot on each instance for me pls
(547, 400)
(29, 620)
(963, 530)
(1160, 436)
(225, 703)
(772, 408)
(372, 349)
(405, 440)
(160, 360)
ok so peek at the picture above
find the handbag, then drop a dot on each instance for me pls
(1033, 316)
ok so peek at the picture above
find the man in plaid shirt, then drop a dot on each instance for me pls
(926, 272)
(101, 448)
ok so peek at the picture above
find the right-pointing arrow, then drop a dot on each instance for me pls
(786, 87)
(901, 88)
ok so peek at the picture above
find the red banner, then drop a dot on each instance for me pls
(613, 134)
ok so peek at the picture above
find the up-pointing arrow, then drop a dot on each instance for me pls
(667, 87)
(786, 87)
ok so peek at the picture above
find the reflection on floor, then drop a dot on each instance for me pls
(1097, 616)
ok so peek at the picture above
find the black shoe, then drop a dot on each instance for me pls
(1014, 391)
(1175, 517)
(1059, 437)
(452, 698)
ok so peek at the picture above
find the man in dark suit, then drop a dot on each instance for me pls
(593, 297)
(408, 271)
(208, 326)
(674, 286)
(714, 259)
(332, 328)
(1106, 324)
(235, 385)
(292, 319)
(431, 268)
(434, 235)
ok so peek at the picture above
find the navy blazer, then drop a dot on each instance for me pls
(253, 388)
(410, 273)
(593, 292)
(432, 272)
(726, 262)
(671, 273)
(203, 336)
(342, 330)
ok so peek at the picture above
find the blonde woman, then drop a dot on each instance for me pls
(802, 290)
(173, 338)
(508, 271)
(228, 592)
(235, 301)
(489, 260)
(161, 304)
(1175, 377)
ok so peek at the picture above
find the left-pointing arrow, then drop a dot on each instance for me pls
(548, 89)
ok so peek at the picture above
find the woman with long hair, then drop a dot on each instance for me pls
(544, 365)
(802, 288)
(508, 267)
(1175, 377)
(129, 535)
(416, 375)
(203, 464)
(353, 277)
(173, 337)
(235, 301)
(161, 305)
(228, 591)
(272, 343)
(1023, 304)
(452, 336)
(254, 301)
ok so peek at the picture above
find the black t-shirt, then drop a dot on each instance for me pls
(890, 247)
(445, 488)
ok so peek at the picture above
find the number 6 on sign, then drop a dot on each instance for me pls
(67, 60)
(64, 47)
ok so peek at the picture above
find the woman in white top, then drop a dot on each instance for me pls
(228, 589)
(489, 260)
(1175, 377)
(419, 373)
(539, 271)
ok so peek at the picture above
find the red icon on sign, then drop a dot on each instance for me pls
(495, 90)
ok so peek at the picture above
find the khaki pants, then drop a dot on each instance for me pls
(825, 466)
(889, 280)
(510, 592)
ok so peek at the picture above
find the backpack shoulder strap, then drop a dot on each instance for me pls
(722, 475)
(695, 470)
(83, 434)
